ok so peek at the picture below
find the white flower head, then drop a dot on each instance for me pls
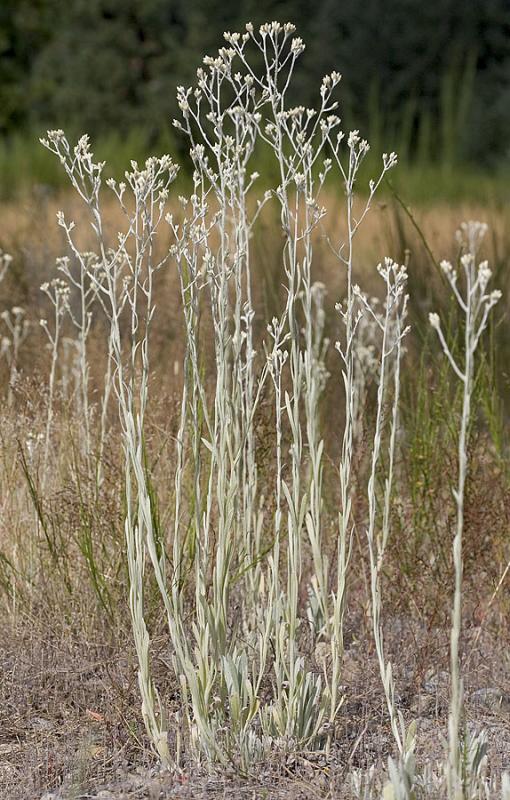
(297, 46)
(390, 160)
(434, 320)
(353, 139)
(484, 272)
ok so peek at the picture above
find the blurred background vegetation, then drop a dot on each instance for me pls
(429, 80)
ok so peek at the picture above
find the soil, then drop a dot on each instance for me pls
(70, 726)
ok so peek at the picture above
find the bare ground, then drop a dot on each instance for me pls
(70, 726)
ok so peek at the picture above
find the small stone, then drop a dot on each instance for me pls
(41, 724)
(492, 699)
(436, 681)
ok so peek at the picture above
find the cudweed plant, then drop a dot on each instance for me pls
(363, 783)
(122, 277)
(348, 348)
(5, 342)
(405, 783)
(475, 301)
(213, 259)
(85, 277)
(231, 106)
(299, 139)
(5, 263)
(80, 314)
(402, 782)
(58, 294)
(392, 331)
(366, 361)
(222, 543)
(17, 329)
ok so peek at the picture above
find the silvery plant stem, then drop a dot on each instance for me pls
(392, 333)
(475, 304)
(123, 278)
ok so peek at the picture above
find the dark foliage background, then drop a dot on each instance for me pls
(434, 74)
